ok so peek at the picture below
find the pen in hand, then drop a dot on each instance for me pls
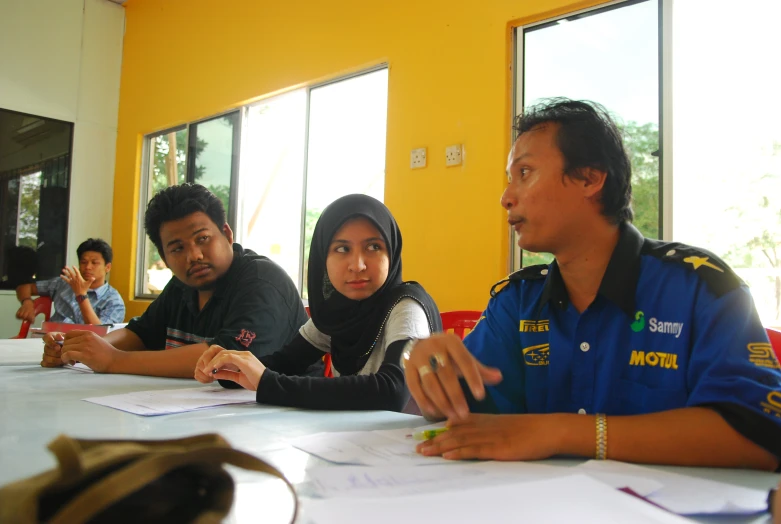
(428, 434)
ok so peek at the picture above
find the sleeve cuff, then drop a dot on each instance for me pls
(755, 427)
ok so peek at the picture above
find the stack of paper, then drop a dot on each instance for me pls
(575, 498)
(386, 465)
(390, 481)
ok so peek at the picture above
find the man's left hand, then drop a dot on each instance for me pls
(73, 277)
(90, 349)
(497, 437)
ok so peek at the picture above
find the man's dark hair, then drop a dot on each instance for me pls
(175, 202)
(97, 245)
(588, 138)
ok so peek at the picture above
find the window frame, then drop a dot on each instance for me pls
(72, 131)
(238, 131)
(305, 173)
(309, 89)
(664, 64)
(146, 151)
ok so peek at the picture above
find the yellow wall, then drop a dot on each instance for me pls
(449, 82)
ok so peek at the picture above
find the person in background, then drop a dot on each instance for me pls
(362, 314)
(80, 295)
(221, 294)
(623, 347)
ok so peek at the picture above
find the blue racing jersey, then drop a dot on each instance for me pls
(672, 326)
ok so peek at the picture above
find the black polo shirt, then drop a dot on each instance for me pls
(255, 307)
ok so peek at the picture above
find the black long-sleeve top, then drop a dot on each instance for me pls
(281, 384)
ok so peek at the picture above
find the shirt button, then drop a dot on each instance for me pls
(544, 272)
(584, 346)
(670, 253)
(581, 411)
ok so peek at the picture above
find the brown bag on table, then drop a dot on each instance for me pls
(118, 481)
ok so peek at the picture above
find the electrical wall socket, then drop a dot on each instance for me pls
(417, 158)
(453, 155)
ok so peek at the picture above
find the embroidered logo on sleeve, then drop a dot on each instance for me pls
(773, 404)
(761, 354)
(696, 262)
(245, 338)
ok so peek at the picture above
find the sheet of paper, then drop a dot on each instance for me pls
(392, 481)
(167, 401)
(574, 498)
(683, 494)
(366, 448)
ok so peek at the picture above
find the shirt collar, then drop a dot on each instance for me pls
(619, 283)
(99, 291)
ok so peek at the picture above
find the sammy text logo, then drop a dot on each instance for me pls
(668, 328)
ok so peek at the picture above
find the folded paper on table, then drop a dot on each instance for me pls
(684, 494)
(168, 401)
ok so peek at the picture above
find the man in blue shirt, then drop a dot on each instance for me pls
(655, 345)
(80, 295)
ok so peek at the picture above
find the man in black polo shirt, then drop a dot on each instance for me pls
(221, 294)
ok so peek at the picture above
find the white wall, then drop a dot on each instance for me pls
(62, 59)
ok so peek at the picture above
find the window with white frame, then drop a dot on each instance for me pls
(299, 152)
(303, 150)
(204, 152)
(609, 55)
(721, 155)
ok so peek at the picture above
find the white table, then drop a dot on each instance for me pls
(37, 404)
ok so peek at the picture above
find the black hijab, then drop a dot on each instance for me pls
(354, 325)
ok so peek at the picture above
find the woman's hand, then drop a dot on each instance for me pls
(241, 367)
(433, 369)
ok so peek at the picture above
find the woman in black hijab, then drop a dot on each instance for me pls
(362, 313)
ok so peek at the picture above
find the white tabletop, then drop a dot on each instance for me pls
(37, 404)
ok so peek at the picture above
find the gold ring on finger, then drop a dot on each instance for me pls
(423, 371)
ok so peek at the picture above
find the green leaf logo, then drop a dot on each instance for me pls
(639, 323)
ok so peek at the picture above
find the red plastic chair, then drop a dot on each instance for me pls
(41, 305)
(775, 340)
(459, 321)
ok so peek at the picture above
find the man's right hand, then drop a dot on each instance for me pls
(26, 311)
(433, 369)
(52, 351)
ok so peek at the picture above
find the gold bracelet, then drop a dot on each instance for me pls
(601, 453)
